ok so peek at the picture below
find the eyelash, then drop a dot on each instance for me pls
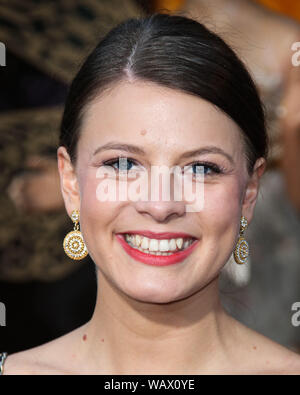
(213, 167)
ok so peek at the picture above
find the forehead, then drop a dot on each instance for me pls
(152, 114)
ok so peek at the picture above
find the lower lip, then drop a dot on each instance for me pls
(156, 260)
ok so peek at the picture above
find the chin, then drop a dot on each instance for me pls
(154, 293)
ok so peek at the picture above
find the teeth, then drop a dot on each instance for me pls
(163, 245)
(138, 240)
(157, 247)
(179, 243)
(153, 245)
(145, 243)
(172, 245)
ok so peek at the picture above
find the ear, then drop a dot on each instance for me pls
(68, 181)
(252, 189)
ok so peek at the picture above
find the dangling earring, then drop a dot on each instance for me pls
(241, 251)
(74, 244)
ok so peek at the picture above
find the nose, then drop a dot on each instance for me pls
(161, 211)
(164, 208)
(161, 205)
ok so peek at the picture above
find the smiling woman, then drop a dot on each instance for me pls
(167, 92)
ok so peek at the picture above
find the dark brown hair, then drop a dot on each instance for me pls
(176, 52)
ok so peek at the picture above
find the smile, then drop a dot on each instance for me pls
(160, 250)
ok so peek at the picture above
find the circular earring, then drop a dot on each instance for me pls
(241, 251)
(74, 244)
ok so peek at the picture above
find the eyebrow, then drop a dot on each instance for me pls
(211, 149)
(134, 149)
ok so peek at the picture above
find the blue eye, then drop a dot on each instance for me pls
(125, 164)
(205, 168)
(121, 163)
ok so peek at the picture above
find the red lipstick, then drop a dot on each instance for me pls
(157, 260)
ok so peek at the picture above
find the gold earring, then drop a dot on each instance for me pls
(74, 244)
(241, 251)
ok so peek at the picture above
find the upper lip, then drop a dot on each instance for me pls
(160, 235)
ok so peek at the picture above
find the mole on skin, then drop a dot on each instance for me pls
(143, 132)
(84, 338)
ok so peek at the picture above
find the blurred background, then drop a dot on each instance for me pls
(45, 293)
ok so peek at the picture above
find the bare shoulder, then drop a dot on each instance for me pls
(262, 355)
(48, 359)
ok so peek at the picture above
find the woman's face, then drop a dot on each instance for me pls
(165, 124)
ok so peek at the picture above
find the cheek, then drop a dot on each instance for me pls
(222, 207)
(96, 214)
(88, 196)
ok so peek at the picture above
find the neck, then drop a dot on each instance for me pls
(127, 336)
